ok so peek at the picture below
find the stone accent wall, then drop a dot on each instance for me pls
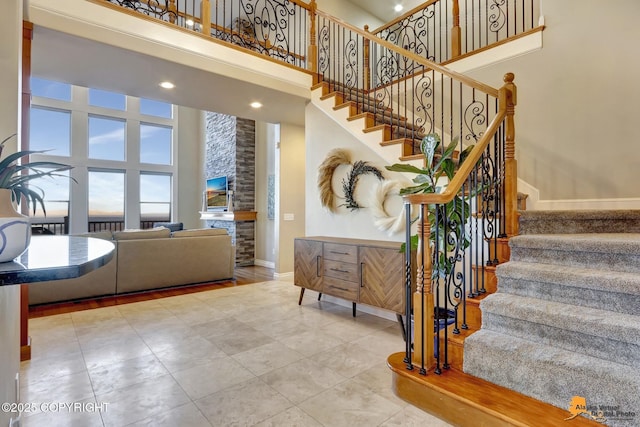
(230, 151)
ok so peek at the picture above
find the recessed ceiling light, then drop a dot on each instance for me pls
(189, 22)
(398, 8)
(167, 85)
(255, 105)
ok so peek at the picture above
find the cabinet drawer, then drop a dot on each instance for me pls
(341, 270)
(340, 288)
(338, 252)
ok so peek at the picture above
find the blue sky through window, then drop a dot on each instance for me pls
(106, 138)
(106, 193)
(155, 108)
(155, 144)
(50, 130)
(50, 89)
(155, 194)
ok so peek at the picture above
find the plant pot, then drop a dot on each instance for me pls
(15, 229)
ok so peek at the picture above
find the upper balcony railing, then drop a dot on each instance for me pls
(278, 29)
(442, 30)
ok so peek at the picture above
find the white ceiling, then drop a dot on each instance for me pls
(63, 57)
(383, 9)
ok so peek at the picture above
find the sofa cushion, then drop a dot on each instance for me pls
(152, 233)
(200, 232)
(173, 226)
(104, 235)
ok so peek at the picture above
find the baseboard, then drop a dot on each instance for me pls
(385, 314)
(534, 202)
(263, 263)
(283, 276)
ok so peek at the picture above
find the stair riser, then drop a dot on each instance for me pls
(596, 260)
(603, 348)
(552, 375)
(594, 298)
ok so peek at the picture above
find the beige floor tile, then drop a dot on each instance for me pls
(53, 347)
(207, 379)
(187, 415)
(378, 380)
(312, 342)
(107, 378)
(302, 380)
(411, 416)
(240, 340)
(166, 336)
(349, 404)
(218, 328)
(245, 404)
(140, 401)
(50, 368)
(348, 359)
(129, 346)
(268, 357)
(383, 342)
(189, 352)
(69, 388)
(291, 417)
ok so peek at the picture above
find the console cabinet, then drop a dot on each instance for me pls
(361, 271)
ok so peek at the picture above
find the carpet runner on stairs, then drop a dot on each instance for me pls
(565, 321)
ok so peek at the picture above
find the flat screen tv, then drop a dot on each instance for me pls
(217, 193)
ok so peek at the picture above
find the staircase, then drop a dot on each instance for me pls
(565, 321)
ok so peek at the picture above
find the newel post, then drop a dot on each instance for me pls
(205, 13)
(173, 11)
(312, 63)
(508, 101)
(423, 303)
(456, 37)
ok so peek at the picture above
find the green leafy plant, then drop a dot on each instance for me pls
(16, 174)
(446, 220)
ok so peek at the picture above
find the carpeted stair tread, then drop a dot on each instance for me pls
(605, 251)
(584, 221)
(551, 374)
(616, 291)
(594, 332)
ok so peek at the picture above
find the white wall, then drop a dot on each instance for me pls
(323, 135)
(576, 121)
(350, 13)
(290, 194)
(190, 174)
(10, 88)
(266, 138)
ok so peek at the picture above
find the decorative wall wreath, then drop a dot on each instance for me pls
(360, 167)
(381, 218)
(335, 158)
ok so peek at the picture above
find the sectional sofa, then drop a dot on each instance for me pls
(146, 260)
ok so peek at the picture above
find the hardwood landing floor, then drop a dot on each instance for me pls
(243, 276)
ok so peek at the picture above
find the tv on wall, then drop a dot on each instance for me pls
(217, 188)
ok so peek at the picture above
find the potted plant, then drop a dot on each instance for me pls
(439, 163)
(15, 174)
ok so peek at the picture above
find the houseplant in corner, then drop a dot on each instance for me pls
(15, 230)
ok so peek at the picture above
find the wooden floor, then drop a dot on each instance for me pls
(243, 276)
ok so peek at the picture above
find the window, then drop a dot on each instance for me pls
(122, 158)
(106, 138)
(155, 197)
(50, 130)
(56, 195)
(50, 89)
(106, 99)
(155, 108)
(106, 199)
(155, 144)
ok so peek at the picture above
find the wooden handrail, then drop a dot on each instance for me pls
(404, 15)
(416, 58)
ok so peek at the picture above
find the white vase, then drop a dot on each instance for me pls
(15, 229)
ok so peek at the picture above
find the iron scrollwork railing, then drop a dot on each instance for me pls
(276, 28)
(441, 30)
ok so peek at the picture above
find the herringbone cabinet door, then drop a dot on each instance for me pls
(382, 278)
(307, 264)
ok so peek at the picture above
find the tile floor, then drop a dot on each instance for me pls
(241, 356)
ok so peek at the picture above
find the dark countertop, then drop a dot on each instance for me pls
(55, 258)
